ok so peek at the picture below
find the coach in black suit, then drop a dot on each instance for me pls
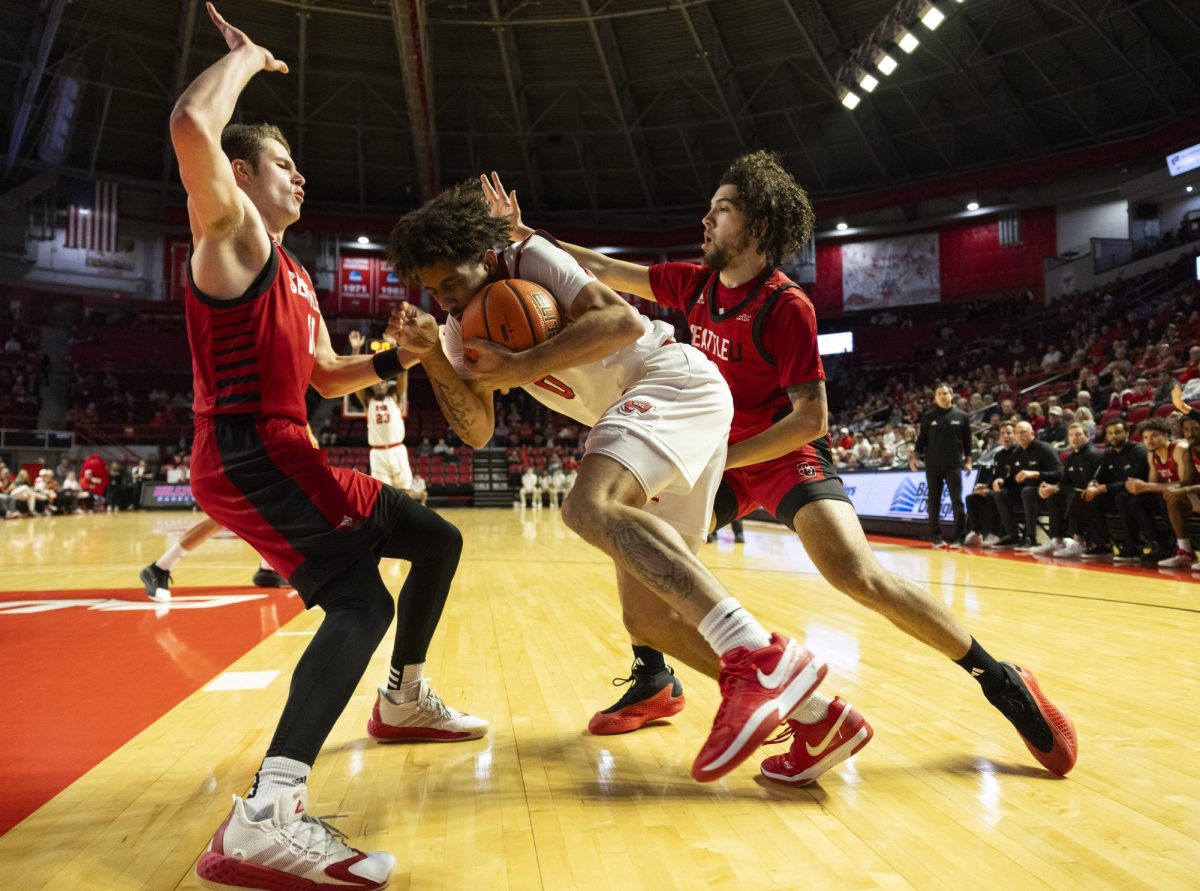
(945, 444)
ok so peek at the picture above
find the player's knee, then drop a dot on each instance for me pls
(583, 516)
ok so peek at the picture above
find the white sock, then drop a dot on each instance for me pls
(729, 625)
(811, 710)
(173, 555)
(263, 564)
(405, 686)
(1185, 544)
(276, 774)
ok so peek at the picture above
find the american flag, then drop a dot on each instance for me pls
(92, 216)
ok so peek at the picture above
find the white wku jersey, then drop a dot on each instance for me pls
(585, 392)
(385, 425)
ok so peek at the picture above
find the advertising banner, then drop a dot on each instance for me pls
(890, 272)
(897, 495)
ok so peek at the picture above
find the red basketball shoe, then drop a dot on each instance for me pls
(758, 689)
(1047, 733)
(649, 698)
(818, 747)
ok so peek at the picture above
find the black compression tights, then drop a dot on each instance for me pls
(358, 610)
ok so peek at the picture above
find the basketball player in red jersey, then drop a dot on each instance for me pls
(659, 415)
(258, 340)
(1170, 469)
(760, 329)
(1185, 499)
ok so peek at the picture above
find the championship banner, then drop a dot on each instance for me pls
(390, 289)
(898, 495)
(356, 284)
(890, 272)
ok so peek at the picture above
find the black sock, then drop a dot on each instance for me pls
(979, 664)
(647, 660)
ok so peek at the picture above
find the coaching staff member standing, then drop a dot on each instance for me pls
(945, 444)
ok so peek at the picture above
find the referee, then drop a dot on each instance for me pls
(945, 444)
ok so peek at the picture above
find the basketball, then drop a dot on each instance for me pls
(514, 313)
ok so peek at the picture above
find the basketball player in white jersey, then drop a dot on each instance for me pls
(558, 487)
(659, 413)
(529, 489)
(386, 405)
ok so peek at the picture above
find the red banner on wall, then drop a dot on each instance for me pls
(356, 277)
(391, 290)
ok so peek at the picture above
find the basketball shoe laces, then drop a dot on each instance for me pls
(433, 704)
(788, 732)
(633, 694)
(314, 838)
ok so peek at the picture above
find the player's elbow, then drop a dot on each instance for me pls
(628, 322)
(324, 383)
(477, 440)
(185, 121)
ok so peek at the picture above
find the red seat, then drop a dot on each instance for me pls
(1137, 414)
(1163, 410)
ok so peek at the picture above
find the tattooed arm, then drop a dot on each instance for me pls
(808, 420)
(466, 405)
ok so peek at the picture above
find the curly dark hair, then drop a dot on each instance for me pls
(1160, 425)
(245, 142)
(454, 226)
(777, 207)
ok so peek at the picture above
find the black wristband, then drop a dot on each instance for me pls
(387, 364)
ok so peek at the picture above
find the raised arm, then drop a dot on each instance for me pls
(231, 242)
(357, 341)
(620, 275)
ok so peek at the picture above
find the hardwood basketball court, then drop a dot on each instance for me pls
(127, 726)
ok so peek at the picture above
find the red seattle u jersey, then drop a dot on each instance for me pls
(1168, 471)
(762, 336)
(254, 354)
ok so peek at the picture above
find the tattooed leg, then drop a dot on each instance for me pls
(604, 509)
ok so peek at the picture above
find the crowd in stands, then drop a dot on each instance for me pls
(1088, 357)
(23, 371)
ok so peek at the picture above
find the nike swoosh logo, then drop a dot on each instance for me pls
(787, 664)
(837, 725)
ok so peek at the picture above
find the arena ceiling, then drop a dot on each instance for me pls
(605, 112)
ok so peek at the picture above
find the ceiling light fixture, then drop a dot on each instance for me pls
(906, 40)
(931, 16)
(841, 227)
(849, 98)
(362, 239)
(867, 81)
(884, 62)
(973, 205)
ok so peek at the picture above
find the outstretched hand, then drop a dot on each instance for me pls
(503, 205)
(236, 39)
(356, 340)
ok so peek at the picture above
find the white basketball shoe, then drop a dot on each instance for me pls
(424, 718)
(289, 850)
